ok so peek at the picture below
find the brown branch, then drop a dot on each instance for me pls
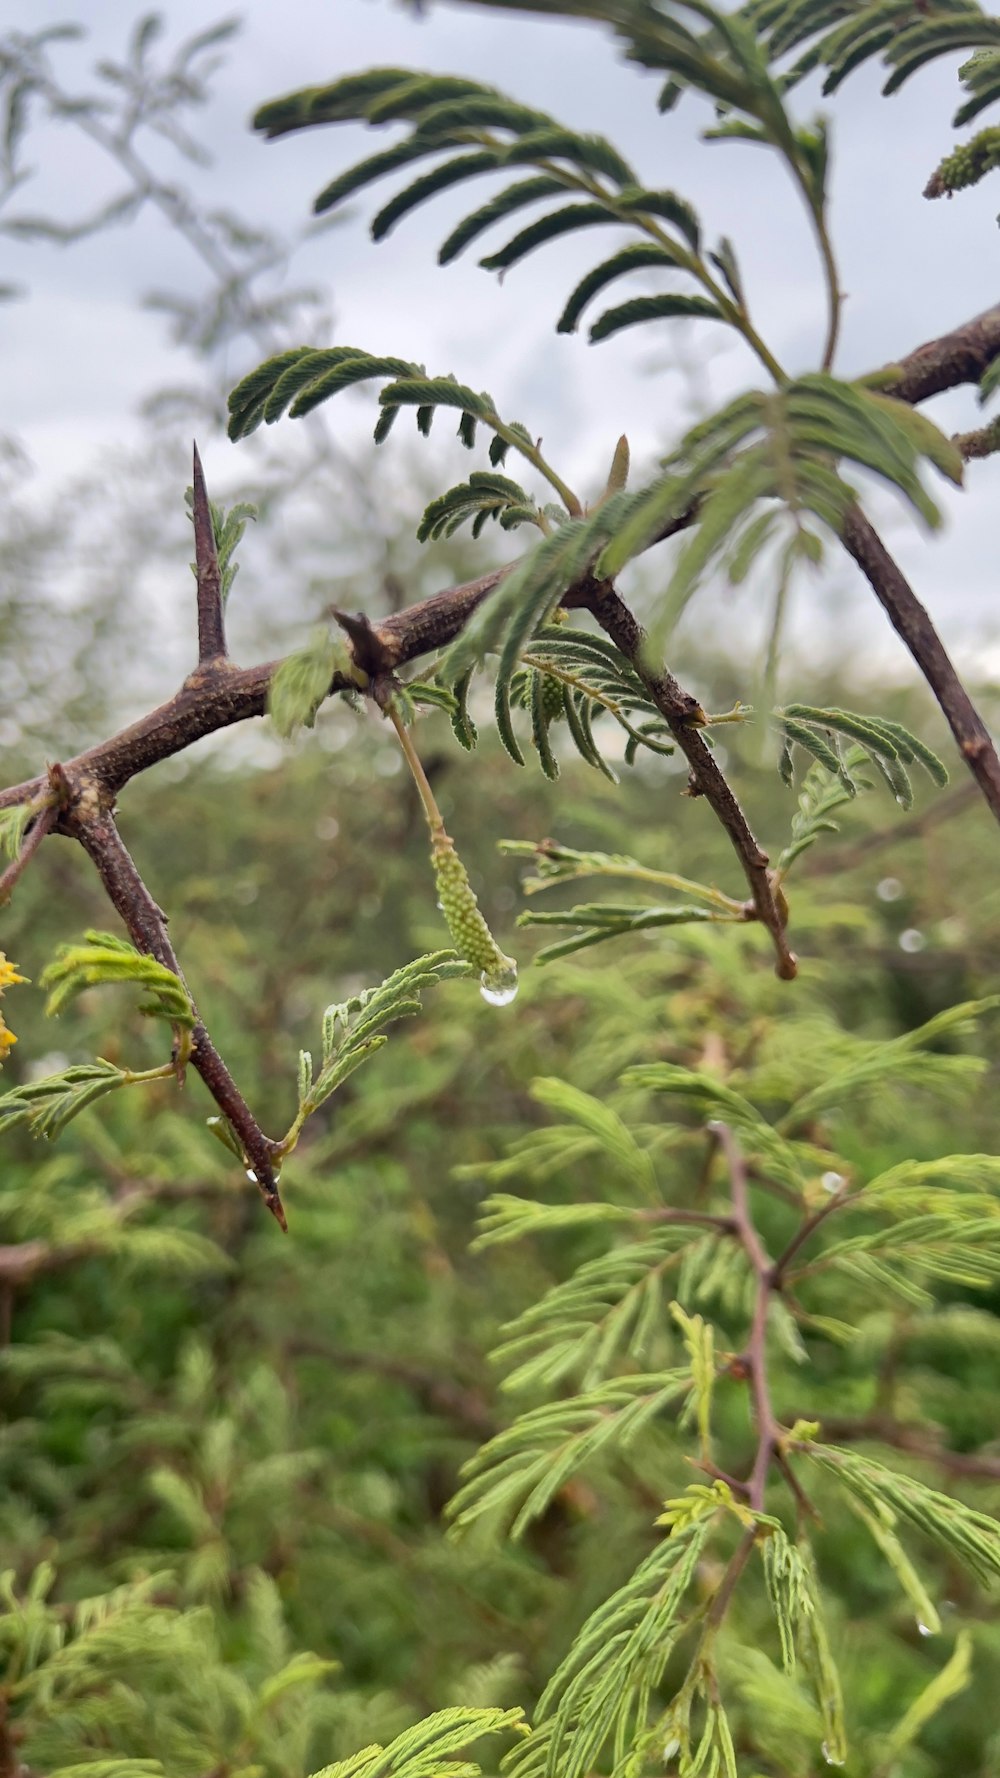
(42, 825)
(684, 717)
(960, 356)
(211, 611)
(147, 927)
(911, 622)
(983, 442)
(804, 1233)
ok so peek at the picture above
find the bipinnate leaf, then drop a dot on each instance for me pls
(434, 1747)
(103, 958)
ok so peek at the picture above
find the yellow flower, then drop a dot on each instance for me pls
(8, 974)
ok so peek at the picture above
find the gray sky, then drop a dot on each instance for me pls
(76, 358)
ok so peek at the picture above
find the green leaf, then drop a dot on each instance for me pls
(432, 1748)
(514, 197)
(631, 259)
(547, 228)
(104, 958)
(302, 681)
(653, 308)
(440, 179)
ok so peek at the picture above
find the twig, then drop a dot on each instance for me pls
(755, 1357)
(960, 356)
(804, 1233)
(917, 1441)
(147, 928)
(211, 611)
(42, 825)
(854, 852)
(683, 716)
(983, 442)
(706, 1219)
(912, 623)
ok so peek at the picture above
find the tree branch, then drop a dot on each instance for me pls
(910, 621)
(683, 715)
(147, 928)
(960, 356)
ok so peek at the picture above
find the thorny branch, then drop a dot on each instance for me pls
(147, 928)
(219, 694)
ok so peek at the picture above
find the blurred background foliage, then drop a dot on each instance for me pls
(222, 1447)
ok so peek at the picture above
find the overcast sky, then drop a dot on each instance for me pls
(77, 356)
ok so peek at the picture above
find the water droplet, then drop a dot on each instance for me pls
(912, 939)
(672, 1748)
(832, 1182)
(833, 1755)
(251, 1175)
(498, 987)
(924, 1629)
(890, 889)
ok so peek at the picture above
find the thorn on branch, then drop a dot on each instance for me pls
(369, 650)
(211, 612)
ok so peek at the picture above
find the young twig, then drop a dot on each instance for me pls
(211, 611)
(147, 928)
(42, 825)
(754, 1359)
(916, 1441)
(682, 714)
(910, 621)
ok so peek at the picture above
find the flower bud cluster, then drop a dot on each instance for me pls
(470, 934)
(967, 164)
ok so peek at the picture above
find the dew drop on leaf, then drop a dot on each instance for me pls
(832, 1755)
(498, 987)
(924, 1629)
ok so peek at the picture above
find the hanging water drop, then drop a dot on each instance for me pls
(498, 987)
(833, 1755)
(924, 1629)
(251, 1175)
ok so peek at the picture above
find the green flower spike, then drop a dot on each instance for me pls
(470, 934)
